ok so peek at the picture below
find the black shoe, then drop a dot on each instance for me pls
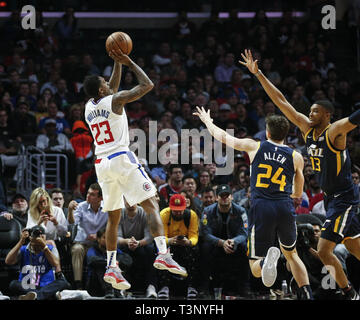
(351, 295)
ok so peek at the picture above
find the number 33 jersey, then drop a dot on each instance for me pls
(272, 171)
(110, 130)
(331, 166)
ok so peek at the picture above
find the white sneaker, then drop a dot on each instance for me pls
(163, 293)
(2, 297)
(151, 292)
(268, 271)
(166, 262)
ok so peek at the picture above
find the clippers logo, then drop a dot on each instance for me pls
(177, 201)
(146, 186)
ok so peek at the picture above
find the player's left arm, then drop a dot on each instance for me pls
(114, 81)
(248, 145)
(339, 129)
(298, 186)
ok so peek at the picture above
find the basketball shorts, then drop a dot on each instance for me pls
(342, 220)
(121, 175)
(271, 222)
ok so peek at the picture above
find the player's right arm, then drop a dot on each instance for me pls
(125, 96)
(248, 145)
(298, 185)
(297, 118)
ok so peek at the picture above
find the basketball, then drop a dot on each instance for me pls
(119, 40)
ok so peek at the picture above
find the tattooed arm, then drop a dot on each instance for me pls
(126, 96)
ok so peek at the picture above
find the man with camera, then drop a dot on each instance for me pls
(322, 285)
(181, 229)
(37, 279)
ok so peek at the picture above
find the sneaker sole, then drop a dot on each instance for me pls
(268, 271)
(117, 285)
(162, 266)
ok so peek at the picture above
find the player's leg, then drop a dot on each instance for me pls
(113, 273)
(331, 262)
(353, 246)
(164, 260)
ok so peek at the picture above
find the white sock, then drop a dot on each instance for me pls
(111, 258)
(161, 244)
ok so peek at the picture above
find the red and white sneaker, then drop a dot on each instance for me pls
(115, 278)
(166, 262)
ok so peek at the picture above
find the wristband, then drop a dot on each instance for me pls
(354, 118)
(257, 73)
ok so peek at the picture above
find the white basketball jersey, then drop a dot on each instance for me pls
(110, 130)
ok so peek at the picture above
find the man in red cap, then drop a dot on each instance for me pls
(181, 230)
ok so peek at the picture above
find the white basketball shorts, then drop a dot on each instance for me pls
(121, 175)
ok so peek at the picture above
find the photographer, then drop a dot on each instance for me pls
(309, 230)
(37, 279)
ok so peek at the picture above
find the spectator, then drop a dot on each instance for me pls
(189, 187)
(224, 71)
(184, 29)
(42, 212)
(96, 262)
(90, 218)
(57, 197)
(134, 238)
(203, 182)
(162, 57)
(175, 183)
(181, 229)
(25, 124)
(81, 142)
(37, 279)
(223, 250)
(18, 211)
(63, 98)
(51, 140)
(62, 126)
(208, 197)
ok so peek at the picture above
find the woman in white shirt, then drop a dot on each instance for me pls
(42, 212)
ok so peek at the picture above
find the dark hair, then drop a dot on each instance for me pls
(278, 127)
(173, 166)
(326, 104)
(96, 186)
(209, 189)
(56, 190)
(189, 176)
(92, 85)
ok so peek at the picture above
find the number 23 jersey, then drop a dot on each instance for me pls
(272, 171)
(110, 130)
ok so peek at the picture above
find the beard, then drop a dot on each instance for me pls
(177, 218)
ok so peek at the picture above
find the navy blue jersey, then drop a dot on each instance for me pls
(331, 166)
(272, 171)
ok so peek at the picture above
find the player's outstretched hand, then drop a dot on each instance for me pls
(118, 56)
(203, 115)
(249, 62)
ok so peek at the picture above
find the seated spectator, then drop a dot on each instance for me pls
(208, 197)
(203, 182)
(57, 197)
(223, 227)
(189, 187)
(42, 212)
(62, 126)
(96, 262)
(181, 230)
(25, 125)
(175, 183)
(81, 141)
(37, 259)
(51, 140)
(134, 238)
(18, 211)
(90, 218)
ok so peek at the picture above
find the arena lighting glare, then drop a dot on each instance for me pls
(152, 15)
(3, 4)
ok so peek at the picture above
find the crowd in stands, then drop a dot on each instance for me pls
(42, 104)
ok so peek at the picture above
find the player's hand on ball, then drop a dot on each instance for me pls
(203, 115)
(249, 62)
(118, 56)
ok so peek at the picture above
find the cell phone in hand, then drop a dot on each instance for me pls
(181, 237)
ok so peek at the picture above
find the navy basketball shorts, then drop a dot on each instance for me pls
(342, 221)
(271, 222)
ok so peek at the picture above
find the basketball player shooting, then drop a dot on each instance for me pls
(117, 168)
